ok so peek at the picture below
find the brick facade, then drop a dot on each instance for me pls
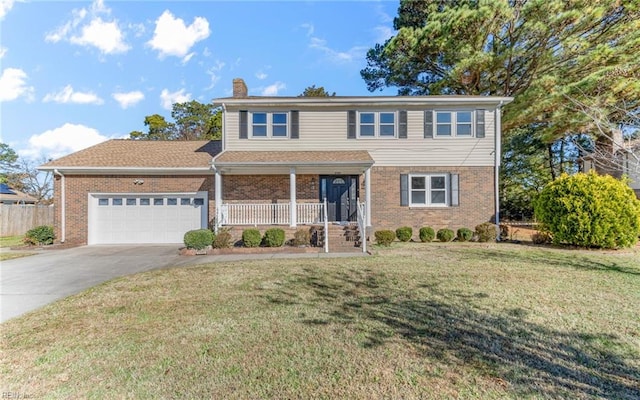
(78, 187)
(268, 188)
(477, 199)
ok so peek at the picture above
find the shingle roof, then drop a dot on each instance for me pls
(293, 157)
(124, 153)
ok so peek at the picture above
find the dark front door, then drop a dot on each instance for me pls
(341, 192)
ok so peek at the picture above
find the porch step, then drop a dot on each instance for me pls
(342, 238)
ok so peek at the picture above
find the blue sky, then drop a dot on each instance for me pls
(75, 73)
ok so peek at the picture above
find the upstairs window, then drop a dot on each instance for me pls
(449, 123)
(377, 124)
(269, 124)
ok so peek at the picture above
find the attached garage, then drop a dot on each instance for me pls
(145, 218)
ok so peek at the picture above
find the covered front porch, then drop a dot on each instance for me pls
(292, 188)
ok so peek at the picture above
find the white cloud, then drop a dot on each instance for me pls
(272, 90)
(213, 73)
(354, 53)
(261, 75)
(187, 58)
(383, 33)
(128, 99)
(104, 35)
(309, 27)
(3, 51)
(13, 84)
(173, 38)
(61, 141)
(167, 98)
(68, 95)
(5, 7)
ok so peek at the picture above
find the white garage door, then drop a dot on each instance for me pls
(149, 218)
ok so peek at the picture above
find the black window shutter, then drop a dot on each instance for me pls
(454, 184)
(428, 123)
(295, 131)
(402, 133)
(480, 123)
(351, 122)
(404, 189)
(243, 134)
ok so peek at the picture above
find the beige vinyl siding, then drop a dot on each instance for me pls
(327, 130)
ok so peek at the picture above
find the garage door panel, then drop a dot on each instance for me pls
(145, 218)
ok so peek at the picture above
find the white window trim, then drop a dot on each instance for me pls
(454, 124)
(427, 190)
(376, 124)
(269, 124)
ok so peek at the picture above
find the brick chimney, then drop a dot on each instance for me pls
(240, 88)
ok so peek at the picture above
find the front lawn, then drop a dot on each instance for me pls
(11, 241)
(416, 321)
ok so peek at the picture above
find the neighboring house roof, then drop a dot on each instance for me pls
(8, 194)
(124, 155)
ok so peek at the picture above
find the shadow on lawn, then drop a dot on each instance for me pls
(449, 327)
(549, 258)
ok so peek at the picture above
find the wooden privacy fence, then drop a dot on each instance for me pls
(18, 219)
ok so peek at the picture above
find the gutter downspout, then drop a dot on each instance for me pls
(63, 210)
(224, 118)
(497, 155)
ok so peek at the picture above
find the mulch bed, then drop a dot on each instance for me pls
(251, 250)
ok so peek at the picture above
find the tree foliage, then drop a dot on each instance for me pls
(192, 121)
(313, 91)
(8, 162)
(589, 210)
(537, 51)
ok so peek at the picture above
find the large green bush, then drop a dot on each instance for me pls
(589, 210)
(39, 235)
(273, 237)
(427, 234)
(404, 233)
(385, 237)
(251, 237)
(198, 239)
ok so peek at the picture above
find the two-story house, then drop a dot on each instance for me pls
(291, 161)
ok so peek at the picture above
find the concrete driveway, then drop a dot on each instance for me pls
(29, 283)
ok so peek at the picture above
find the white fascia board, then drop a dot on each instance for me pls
(364, 101)
(127, 170)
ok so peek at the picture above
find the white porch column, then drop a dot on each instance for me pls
(367, 196)
(218, 195)
(293, 215)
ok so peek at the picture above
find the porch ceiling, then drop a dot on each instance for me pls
(305, 162)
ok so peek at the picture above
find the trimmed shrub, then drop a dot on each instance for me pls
(198, 239)
(464, 234)
(302, 237)
(273, 237)
(251, 237)
(486, 232)
(445, 235)
(589, 210)
(404, 233)
(40, 235)
(427, 234)
(223, 240)
(541, 238)
(385, 237)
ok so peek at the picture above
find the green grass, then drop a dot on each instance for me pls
(11, 241)
(415, 321)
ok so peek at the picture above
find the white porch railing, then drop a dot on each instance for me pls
(271, 214)
(362, 225)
